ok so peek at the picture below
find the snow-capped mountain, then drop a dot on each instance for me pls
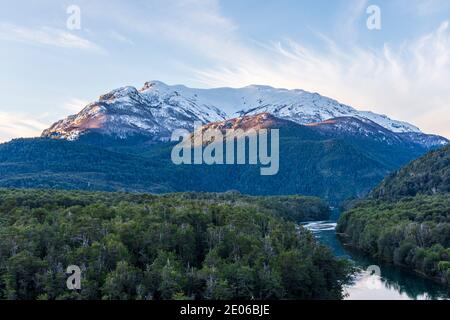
(305, 107)
(157, 109)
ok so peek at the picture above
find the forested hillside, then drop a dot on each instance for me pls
(180, 246)
(406, 220)
(330, 169)
(428, 175)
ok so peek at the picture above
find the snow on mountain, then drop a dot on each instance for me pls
(426, 140)
(157, 109)
(357, 128)
(296, 105)
(154, 110)
(305, 107)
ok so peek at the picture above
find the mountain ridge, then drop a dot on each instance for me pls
(158, 109)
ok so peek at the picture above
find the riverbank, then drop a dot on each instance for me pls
(413, 232)
(393, 282)
(349, 247)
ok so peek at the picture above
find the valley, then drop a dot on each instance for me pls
(101, 187)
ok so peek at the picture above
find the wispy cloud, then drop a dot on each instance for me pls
(14, 125)
(409, 81)
(424, 7)
(120, 37)
(75, 105)
(46, 36)
(195, 24)
(347, 22)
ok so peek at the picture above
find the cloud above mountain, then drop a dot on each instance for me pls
(46, 36)
(11, 123)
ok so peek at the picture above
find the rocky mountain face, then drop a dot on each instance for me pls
(157, 109)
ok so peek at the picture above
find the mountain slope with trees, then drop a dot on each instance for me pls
(428, 175)
(325, 160)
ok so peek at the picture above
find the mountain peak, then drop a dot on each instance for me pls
(245, 123)
(153, 84)
(122, 92)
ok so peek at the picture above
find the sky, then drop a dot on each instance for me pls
(51, 66)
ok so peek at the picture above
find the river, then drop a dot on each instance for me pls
(375, 281)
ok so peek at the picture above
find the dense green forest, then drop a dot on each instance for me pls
(178, 246)
(406, 220)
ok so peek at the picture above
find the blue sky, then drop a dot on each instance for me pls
(48, 71)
